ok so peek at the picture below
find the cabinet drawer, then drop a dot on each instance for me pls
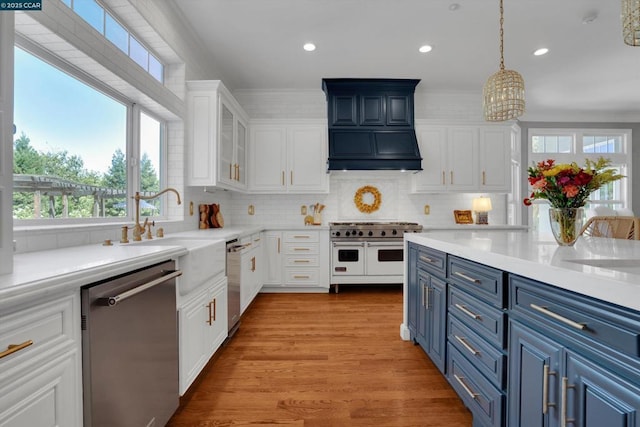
(485, 357)
(484, 282)
(482, 398)
(301, 248)
(46, 325)
(576, 316)
(301, 277)
(487, 321)
(301, 261)
(432, 260)
(301, 236)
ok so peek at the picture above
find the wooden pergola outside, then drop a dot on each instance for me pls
(51, 187)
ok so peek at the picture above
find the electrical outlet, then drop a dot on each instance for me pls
(427, 209)
(303, 210)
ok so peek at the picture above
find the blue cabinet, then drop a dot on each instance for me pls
(427, 302)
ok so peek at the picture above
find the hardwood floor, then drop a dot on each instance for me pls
(322, 360)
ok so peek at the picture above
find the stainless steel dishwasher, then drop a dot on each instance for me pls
(130, 348)
(234, 265)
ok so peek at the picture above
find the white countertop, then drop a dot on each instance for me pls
(519, 252)
(42, 273)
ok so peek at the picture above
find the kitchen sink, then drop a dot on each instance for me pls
(206, 259)
(619, 264)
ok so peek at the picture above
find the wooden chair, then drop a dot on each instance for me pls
(616, 227)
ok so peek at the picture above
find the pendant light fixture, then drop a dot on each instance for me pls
(631, 22)
(503, 94)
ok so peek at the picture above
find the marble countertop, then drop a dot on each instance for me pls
(606, 269)
(47, 272)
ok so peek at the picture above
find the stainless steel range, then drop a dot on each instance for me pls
(368, 252)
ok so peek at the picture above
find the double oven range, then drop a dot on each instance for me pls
(368, 252)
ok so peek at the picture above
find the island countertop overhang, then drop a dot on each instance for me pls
(519, 252)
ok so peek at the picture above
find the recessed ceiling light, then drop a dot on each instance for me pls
(590, 18)
(541, 51)
(309, 47)
(424, 49)
(454, 6)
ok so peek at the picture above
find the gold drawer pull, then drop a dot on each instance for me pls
(468, 312)
(301, 277)
(301, 236)
(301, 249)
(546, 311)
(301, 261)
(466, 345)
(12, 348)
(465, 387)
(469, 278)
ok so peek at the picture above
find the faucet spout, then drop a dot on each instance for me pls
(138, 228)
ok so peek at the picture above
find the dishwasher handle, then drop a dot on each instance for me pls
(114, 300)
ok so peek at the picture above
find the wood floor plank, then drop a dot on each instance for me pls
(322, 360)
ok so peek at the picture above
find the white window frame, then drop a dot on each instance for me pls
(132, 142)
(623, 159)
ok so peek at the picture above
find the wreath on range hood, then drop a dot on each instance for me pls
(367, 208)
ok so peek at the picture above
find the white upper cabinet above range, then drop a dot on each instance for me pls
(286, 157)
(216, 137)
(464, 159)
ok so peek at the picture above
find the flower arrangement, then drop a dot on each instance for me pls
(568, 185)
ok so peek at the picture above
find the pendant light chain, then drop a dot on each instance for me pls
(501, 35)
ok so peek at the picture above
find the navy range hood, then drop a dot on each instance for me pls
(371, 124)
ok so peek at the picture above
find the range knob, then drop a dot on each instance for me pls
(370, 233)
(337, 234)
(394, 232)
(383, 233)
(360, 233)
(354, 232)
(346, 233)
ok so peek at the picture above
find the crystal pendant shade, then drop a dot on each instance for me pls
(631, 22)
(503, 96)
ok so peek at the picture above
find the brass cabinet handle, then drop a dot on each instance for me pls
(546, 311)
(300, 277)
(443, 178)
(484, 178)
(278, 245)
(237, 172)
(291, 177)
(301, 249)
(466, 388)
(468, 312)
(212, 311)
(466, 345)
(230, 171)
(451, 177)
(253, 264)
(12, 348)
(301, 261)
(210, 320)
(545, 389)
(469, 278)
(283, 178)
(301, 236)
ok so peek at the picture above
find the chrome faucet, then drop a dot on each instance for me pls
(138, 229)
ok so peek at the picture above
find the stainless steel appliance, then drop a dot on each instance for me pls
(368, 252)
(234, 267)
(130, 348)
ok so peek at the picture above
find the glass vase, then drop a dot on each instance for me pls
(566, 224)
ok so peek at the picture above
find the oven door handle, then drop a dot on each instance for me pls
(347, 244)
(398, 245)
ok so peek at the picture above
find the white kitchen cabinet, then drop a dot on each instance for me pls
(297, 260)
(202, 320)
(251, 270)
(463, 159)
(41, 377)
(288, 158)
(216, 132)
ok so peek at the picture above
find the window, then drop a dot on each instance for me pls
(106, 24)
(72, 146)
(576, 145)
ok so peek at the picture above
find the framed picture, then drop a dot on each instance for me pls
(463, 217)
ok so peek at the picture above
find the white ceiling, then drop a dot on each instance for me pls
(258, 43)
